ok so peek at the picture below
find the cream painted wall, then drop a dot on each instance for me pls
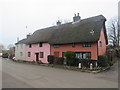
(20, 52)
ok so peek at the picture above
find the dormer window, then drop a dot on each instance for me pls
(86, 44)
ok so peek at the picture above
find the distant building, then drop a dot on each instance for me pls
(20, 48)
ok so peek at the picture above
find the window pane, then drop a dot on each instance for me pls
(29, 54)
(41, 54)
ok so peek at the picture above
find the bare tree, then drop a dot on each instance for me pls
(114, 32)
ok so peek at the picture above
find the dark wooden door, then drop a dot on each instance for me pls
(37, 56)
(56, 54)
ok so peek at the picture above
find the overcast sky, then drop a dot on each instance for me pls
(15, 15)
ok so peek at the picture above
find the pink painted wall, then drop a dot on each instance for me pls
(36, 49)
(102, 50)
(77, 48)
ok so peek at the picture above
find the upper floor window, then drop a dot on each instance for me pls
(56, 46)
(86, 44)
(73, 44)
(100, 43)
(30, 45)
(40, 44)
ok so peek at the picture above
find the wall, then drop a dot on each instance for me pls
(77, 48)
(102, 50)
(36, 49)
(20, 48)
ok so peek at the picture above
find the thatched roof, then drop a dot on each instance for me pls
(87, 30)
(21, 41)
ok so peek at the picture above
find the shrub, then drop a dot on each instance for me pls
(70, 57)
(102, 61)
(76, 62)
(85, 62)
(110, 62)
(50, 59)
(59, 60)
(118, 52)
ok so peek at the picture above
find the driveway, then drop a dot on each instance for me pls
(22, 75)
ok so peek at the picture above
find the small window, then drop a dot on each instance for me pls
(30, 45)
(56, 46)
(21, 54)
(41, 54)
(73, 44)
(29, 54)
(100, 43)
(86, 45)
(40, 44)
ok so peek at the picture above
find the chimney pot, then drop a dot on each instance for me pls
(58, 22)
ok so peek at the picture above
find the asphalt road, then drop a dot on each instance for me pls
(21, 75)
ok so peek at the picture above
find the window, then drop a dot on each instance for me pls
(56, 46)
(29, 54)
(100, 43)
(30, 45)
(41, 54)
(86, 45)
(83, 55)
(21, 54)
(73, 44)
(40, 44)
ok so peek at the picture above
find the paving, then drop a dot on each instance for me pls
(23, 75)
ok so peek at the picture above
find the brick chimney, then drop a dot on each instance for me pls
(58, 23)
(76, 18)
(28, 35)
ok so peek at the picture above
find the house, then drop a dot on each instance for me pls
(20, 48)
(86, 37)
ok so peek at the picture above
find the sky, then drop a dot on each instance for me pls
(15, 15)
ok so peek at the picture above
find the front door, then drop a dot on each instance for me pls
(37, 56)
(56, 54)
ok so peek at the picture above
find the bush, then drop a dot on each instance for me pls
(85, 62)
(76, 62)
(50, 59)
(70, 58)
(102, 61)
(110, 62)
(118, 52)
(59, 60)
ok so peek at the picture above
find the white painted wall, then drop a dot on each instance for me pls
(20, 52)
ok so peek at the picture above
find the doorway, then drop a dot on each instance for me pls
(37, 56)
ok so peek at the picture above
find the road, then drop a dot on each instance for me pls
(22, 75)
